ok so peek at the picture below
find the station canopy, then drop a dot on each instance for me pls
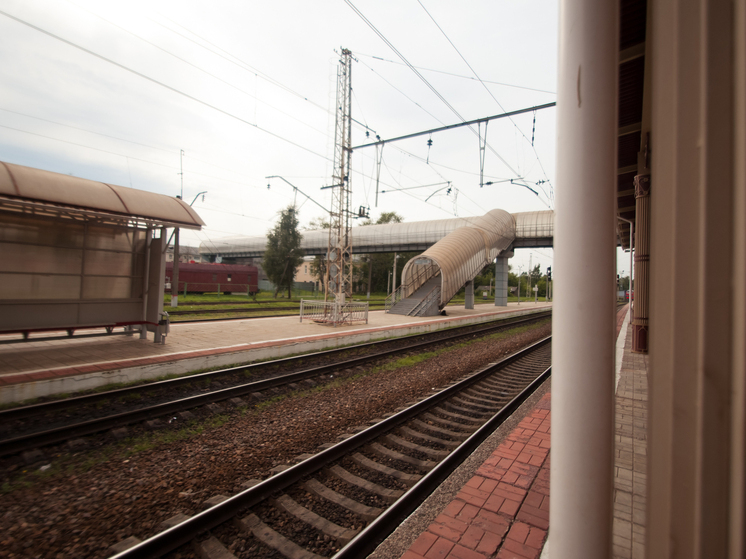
(29, 190)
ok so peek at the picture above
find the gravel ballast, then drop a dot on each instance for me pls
(85, 502)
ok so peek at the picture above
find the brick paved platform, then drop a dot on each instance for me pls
(502, 510)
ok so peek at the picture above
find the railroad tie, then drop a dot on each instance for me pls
(365, 462)
(435, 430)
(212, 549)
(340, 533)
(388, 495)
(403, 443)
(270, 538)
(394, 455)
(476, 407)
(464, 421)
(363, 511)
(411, 433)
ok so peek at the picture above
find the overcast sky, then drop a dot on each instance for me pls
(112, 91)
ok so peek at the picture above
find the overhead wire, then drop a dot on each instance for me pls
(423, 79)
(404, 94)
(166, 86)
(483, 84)
(169, 166)
(458, 75)
(229, 57)
(185, 61)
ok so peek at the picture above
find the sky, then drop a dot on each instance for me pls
(231, 92)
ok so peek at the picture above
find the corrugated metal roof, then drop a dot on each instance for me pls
(45, 187)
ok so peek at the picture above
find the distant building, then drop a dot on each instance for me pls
(186, 254)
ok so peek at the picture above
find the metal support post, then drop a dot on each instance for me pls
(393, 285)
(501, 281)
(469, 295)
(175, 272)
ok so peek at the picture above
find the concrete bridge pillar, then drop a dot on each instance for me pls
(501, 280)
(469, 295)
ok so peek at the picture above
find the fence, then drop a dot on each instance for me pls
(333, 313)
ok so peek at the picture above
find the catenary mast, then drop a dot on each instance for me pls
(339, 251)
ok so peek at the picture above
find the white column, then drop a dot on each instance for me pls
(584, 255)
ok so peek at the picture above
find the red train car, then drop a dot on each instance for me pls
(211, 278)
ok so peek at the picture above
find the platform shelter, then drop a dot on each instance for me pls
(79, 254)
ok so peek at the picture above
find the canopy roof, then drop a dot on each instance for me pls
(28, 187)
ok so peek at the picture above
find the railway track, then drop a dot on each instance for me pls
(344, 500)
(57, 421)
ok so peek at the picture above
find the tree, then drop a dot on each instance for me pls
(283, 254)
(318, 265)
(383, 263)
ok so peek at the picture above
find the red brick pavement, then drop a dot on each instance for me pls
(503, 511)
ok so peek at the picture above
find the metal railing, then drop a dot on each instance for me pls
(405, 290)
(333, 313)
(423, 305)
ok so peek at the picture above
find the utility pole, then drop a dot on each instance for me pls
(175, 273)
(339, 251)
(528, 287)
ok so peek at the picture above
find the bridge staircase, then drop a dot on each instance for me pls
(422, 302)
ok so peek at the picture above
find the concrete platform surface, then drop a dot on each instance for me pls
(43, 366)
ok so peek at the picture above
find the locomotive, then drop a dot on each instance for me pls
(213, 278)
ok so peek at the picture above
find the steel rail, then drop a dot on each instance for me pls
(56, 405)
(178, 535)
(60, 434)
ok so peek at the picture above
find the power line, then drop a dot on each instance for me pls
(185, 61)
(404, 94)
(123, 155)
(229, 57)
(153, 80)
(459, 75)
(483, 84)
(424, 80)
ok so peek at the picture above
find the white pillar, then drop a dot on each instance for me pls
(584, 247)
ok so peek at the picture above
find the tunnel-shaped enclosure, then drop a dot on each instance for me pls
(461, 255)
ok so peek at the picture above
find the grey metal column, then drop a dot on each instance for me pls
(469, 295)
(501, 280)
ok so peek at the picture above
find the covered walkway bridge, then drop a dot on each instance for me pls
(455, 251)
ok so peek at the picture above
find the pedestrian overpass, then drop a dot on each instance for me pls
(454, 252)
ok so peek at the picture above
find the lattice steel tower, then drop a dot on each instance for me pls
(339, 252)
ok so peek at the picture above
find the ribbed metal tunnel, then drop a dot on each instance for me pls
(460, 255)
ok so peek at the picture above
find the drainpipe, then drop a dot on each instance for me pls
(580, 514)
